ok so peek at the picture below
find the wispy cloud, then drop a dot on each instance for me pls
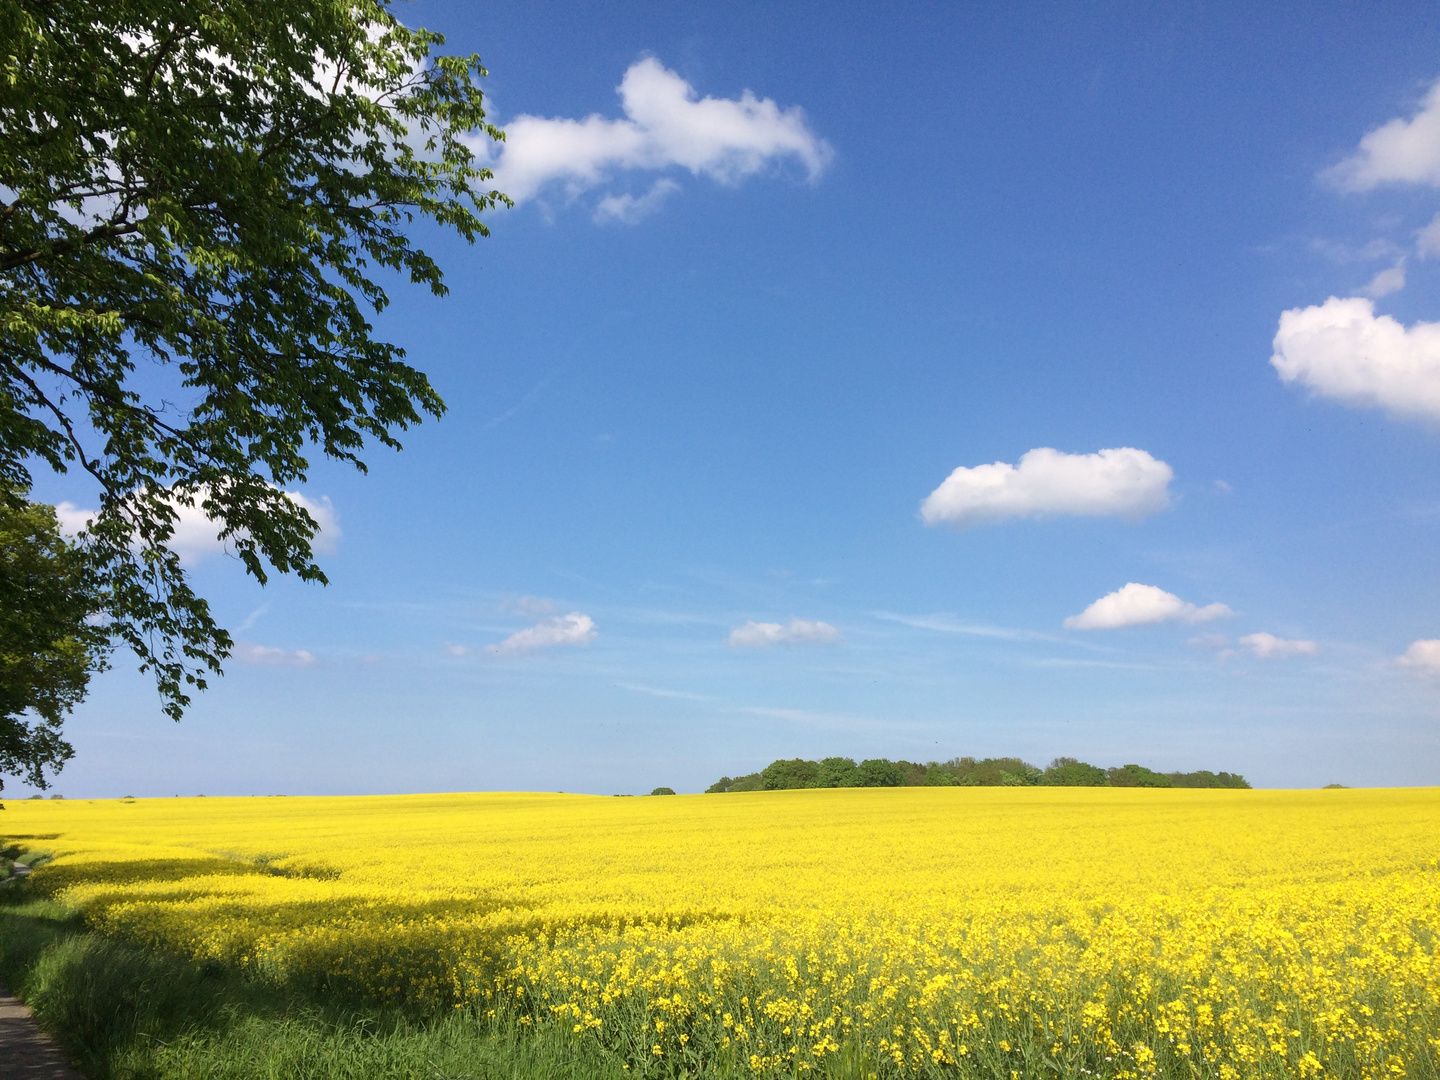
(655, 691)
(1122, 665)
(1268, 646)
(1387, 281)
(833, 721)
(251, 619)
(530, 395)
(527, 605)
(1427, 239)
(795, 632)
(949, 624)
(629, 208)
(247, 652)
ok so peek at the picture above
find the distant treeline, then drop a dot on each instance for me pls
(963, 772)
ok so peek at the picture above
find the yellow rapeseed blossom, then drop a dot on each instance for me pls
(1024, 932)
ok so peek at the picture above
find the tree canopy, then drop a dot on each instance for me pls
(49, 642)
(198, 201)
(792, 773)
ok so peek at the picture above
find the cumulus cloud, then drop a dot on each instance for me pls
(196, 535)
(665, 126)
(1121, 481)
(1403, 151)
(1136, 605)
(572, 629)
(267, 656)
(758, 634)
(73, 519)
(1343, 350)
(1422, 658)
(1266, 646)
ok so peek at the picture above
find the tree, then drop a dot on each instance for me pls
(837, 772)
(1204, 778)
(49, 641)
(1137, 776)
(786, 774)
(214, 187)
(1068, 772)
(879, 772)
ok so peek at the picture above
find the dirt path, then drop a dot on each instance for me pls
(26, 1052)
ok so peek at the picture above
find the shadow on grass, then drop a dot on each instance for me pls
(394, 951)
(125, 1013)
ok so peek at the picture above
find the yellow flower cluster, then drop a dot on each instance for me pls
(1022, 932)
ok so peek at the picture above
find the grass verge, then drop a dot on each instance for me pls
(124, 1013)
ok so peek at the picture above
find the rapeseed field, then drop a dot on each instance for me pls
(990, 932)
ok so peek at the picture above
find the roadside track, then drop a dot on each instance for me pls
(26, 1052)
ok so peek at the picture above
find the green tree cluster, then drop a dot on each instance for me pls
(791, 773)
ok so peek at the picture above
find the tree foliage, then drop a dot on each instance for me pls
(1137, 776)
(791, 773)
(1068, 772)
(49, 640)
(198, 199)
(795, 773)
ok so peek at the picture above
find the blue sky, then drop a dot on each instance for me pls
(746, 322)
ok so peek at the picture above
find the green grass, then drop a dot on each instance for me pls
(123, 1013)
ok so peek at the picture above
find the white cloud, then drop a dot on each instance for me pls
(1427, 239)
(196, 536)
(1386, 282)
(1122, 481)
(455, 649)
(251, 619)
(1422, 658)
(527, 605)
(629, 208)
(1343, 350)
(1267, 646)
(1379, 248)
(1136, 605)
(1209, 642)
(757, 634)
(655, 691)
(267, 656)
(1399, 152)
(572, 629)
(72, 519)
(665, 126)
